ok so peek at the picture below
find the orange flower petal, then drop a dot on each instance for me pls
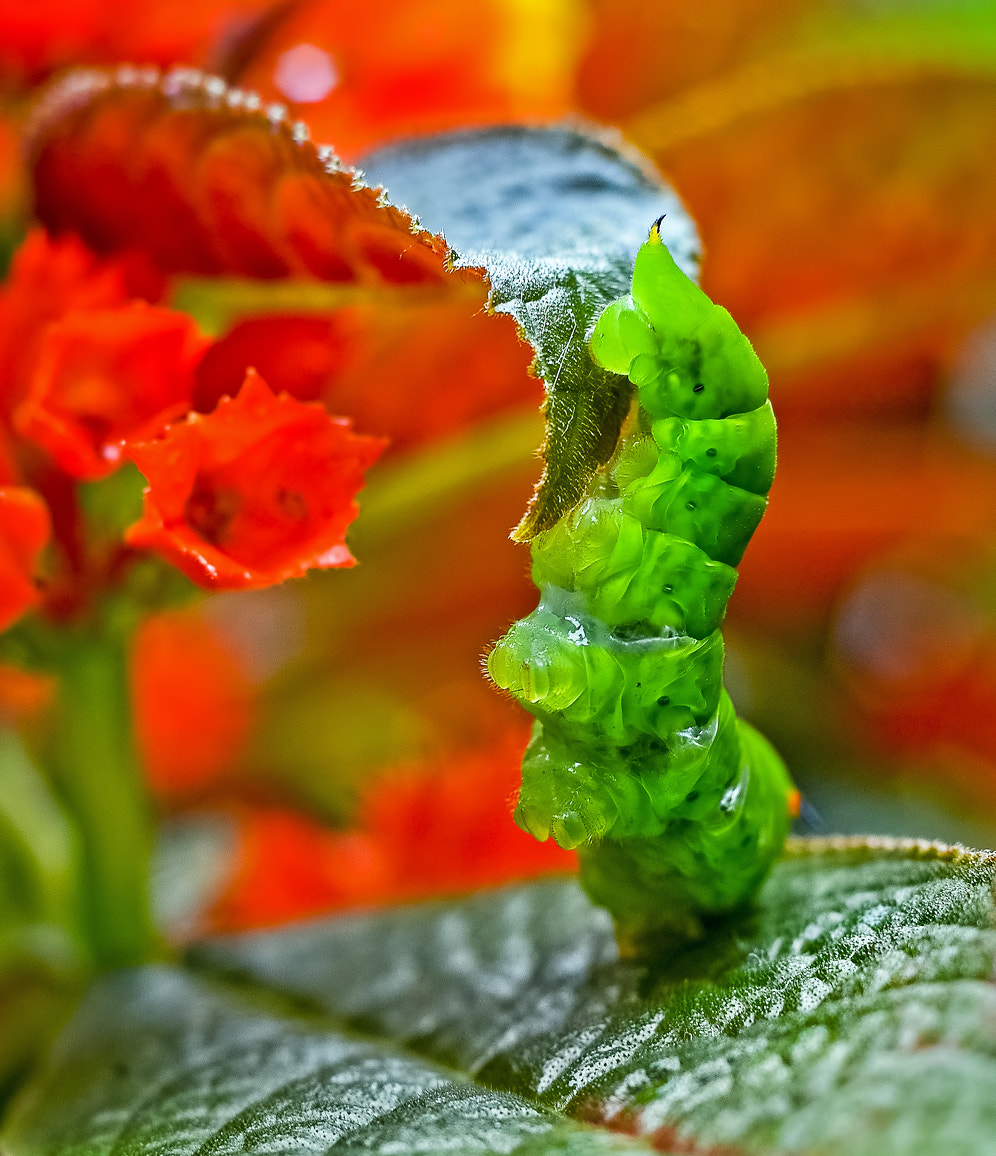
(399, 368)
(288, 866)
(24, 531)
(194, 704)
(106, 376)
(259, 491)
(49, 278)
(421, 834)
(295, 355)
(452, 831)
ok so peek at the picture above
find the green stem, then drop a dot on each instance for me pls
(90, 752)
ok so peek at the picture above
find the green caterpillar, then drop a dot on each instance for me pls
(637, 759)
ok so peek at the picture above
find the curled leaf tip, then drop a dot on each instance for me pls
(583, 426)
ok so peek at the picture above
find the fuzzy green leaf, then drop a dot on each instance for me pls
(852, 1013)
(157, 1060)
(555, 217)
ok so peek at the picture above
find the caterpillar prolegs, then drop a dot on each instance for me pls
(637, 759)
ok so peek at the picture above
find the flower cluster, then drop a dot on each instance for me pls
(258, 490)
(142, 332)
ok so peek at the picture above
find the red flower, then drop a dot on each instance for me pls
(288, 867)
(298, 355)
(258, 491)
(366, 359)
(48, 279)
(420, 834)
(106, 376)
(452, 831)
(194, 703)
(24, 531)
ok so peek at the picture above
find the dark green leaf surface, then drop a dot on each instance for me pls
(555, 217)
(853, 1013)
(157, 1060)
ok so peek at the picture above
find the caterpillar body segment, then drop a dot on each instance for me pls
(637, 759)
